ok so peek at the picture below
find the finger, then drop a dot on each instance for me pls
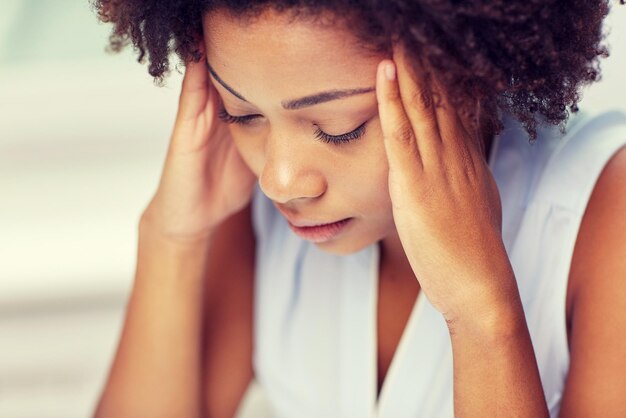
(457, 133)
(419, 106)
(437, 124)
(399, 138)
(447, 116)
(455, 138)
(451, 127)
(194, 90)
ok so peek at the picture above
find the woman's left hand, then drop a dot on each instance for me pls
(446, 205)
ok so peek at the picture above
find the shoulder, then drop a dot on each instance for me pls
(601, 242)
(597, 296)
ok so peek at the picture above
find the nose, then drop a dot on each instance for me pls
(290, 171)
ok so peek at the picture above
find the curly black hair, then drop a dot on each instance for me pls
(525, 57)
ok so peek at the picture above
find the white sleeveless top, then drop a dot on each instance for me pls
(315, 313)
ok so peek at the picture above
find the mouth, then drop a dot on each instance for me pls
(313, 230)
(310, 224)
(320, 232)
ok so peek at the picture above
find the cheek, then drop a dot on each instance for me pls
(368, 182)
(250, 149)
(378, 175)
(380, 187)
(378, 166)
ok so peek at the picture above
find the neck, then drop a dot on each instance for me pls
(393, 259)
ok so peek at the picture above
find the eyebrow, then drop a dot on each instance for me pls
(306, 101)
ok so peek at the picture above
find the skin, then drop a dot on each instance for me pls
(306, 179)
(438, 192)
(447, 207)
(383, 179)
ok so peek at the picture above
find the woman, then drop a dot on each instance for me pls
(407, 251)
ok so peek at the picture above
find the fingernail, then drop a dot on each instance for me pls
(390, 71)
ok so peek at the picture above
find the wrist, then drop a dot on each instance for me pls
(152, 229)
(167, 255)
(486, 320)
(492, 305)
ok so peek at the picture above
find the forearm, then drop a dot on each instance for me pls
(495, 370)
(156, 371)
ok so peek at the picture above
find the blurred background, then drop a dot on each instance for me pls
(82, 138)
(83, 135)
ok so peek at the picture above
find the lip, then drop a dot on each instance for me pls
(309, 224)
(320, 233)
(315, 231)
(303, 222)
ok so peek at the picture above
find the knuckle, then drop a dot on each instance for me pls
(420, 98)
(403, 132)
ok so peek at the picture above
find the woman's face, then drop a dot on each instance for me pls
(268, 66)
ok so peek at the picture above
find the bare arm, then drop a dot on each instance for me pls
(495, 370)
(156, 369)
(595, 383)
(228, 337)
(447, 210)
(186, 345)
(494, 359)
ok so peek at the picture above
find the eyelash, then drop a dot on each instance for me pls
(319, 134)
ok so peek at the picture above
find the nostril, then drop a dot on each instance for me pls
(287, 184)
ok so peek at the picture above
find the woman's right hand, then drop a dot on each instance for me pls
(204, 179)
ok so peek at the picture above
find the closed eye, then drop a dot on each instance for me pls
(242, 120)
(319, 134)
(340, 139)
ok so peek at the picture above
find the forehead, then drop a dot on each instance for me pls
(290, 57)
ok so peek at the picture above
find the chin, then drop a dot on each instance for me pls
(344, 247)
